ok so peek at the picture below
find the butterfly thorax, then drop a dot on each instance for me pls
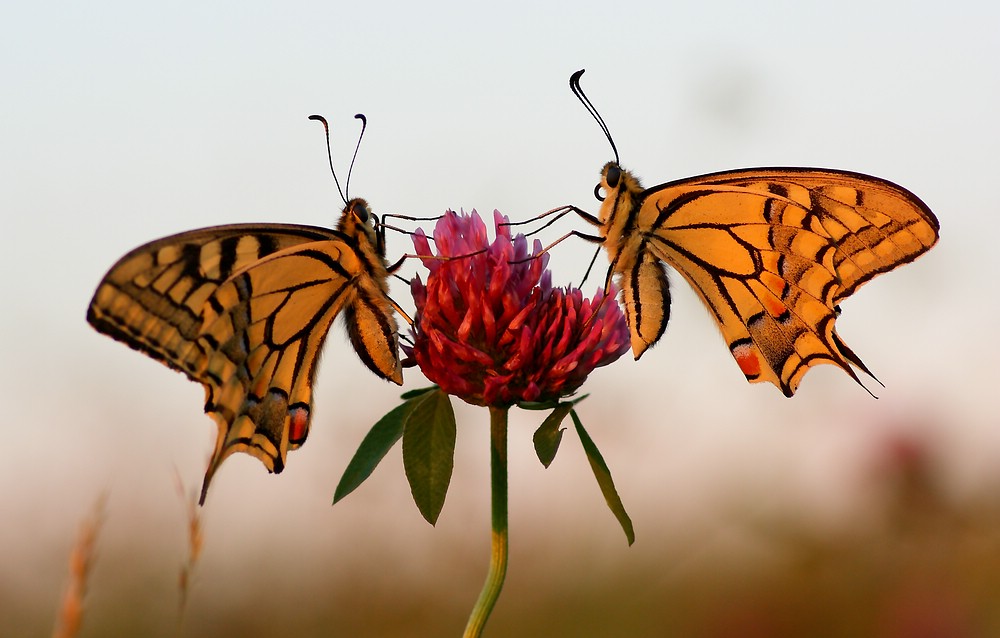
(622, 197)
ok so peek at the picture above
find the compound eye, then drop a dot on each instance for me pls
(362, 212)
(613, 176)
(597, 193)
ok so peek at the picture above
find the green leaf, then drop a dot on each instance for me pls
(429, 452)
(548, 405)
(373, 449)
(549, 434)
(538, 405)
(604, 480)
(412, 394)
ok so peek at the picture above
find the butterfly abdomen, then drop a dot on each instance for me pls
(372, 330)
(646, 294)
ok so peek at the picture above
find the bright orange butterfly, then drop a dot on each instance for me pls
(771, 251)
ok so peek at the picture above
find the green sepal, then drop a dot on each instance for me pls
(604, 480)
(377, 443)
(429, 451)
(548, 435)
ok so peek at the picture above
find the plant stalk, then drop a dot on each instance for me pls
(498, 536)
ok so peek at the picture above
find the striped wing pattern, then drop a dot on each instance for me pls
(772, 252)
(244, 310)
(152, 299)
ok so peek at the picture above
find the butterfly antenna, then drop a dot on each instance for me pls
(329, 154)
(364, 125)
(574, 85)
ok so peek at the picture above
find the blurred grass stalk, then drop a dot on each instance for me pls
(195, 541)
(81, 562)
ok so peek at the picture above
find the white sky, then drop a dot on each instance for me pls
(122, 122)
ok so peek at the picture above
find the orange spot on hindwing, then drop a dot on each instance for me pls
(746, 358)
(774, 307)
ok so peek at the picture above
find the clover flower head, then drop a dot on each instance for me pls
(491, 329)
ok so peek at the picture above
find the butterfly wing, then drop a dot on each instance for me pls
(241, 309)
(773, 251)
(152, 298)
(264, 329)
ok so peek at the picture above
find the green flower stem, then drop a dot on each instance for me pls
(498, 537)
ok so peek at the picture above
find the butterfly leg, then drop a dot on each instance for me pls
(396, 266)
(412, 219)
(559, 213)
(573, 233)
(397, 308)
(590, 267)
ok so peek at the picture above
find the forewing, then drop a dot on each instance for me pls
(773, 251)
(152, 298)
(874, 224)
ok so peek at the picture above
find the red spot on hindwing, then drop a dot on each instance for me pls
(298, 425)
(748, 361)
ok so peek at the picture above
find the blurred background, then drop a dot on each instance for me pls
(829, 514)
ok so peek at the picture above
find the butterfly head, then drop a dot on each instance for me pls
(611, 178)
(359, 221)
(359, 211)
(618, 189)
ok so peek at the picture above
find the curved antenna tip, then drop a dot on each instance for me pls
(319, 118)
(574, 85)
(329, 153)
(350, 169)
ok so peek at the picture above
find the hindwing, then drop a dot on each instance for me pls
(772, 252)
